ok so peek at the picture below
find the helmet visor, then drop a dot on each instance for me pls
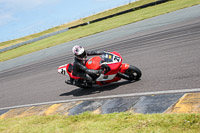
(83, 55)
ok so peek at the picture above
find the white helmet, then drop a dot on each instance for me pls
(79, 52)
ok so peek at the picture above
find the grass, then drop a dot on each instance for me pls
(115, 122)
(98, 27)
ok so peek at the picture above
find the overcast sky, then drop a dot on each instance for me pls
(20, 18)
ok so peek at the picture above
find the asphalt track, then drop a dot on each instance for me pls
(169, 57)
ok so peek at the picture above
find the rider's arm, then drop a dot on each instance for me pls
(80, 66)
(86, 70)
(94, 53)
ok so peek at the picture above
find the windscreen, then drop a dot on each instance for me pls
(109, 57)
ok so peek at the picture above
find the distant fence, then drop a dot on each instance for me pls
(122, 12)
(83, 24)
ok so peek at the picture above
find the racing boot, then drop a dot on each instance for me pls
(90, 85)
(80, 84)
(69, 82)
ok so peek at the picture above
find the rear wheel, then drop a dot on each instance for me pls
(133, 72)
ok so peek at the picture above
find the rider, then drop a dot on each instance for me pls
(79, 68)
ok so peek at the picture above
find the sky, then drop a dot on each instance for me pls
(19, 18)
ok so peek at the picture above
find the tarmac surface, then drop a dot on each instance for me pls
(167, 54)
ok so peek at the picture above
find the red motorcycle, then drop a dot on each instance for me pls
(110, 63)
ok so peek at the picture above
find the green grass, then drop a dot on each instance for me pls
(116, 122)
(98, 27)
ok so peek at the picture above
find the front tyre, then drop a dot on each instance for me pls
(133, 72)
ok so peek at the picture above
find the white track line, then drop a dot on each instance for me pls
(106, 97)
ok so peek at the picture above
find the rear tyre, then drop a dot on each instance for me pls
(133, 72)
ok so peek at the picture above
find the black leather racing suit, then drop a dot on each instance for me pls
(80, 70)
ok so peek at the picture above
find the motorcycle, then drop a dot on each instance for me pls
(111, 67)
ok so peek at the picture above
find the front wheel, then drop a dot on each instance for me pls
(133, 72)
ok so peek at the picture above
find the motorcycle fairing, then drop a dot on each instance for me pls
(103, 77)
(112, 61)
(115, 79)
(124, 67)
(114, 68)
(94, 63)
(111, 57)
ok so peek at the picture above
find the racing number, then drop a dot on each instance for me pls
(117, 58)
(63, 71)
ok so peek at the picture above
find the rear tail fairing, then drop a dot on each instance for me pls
(63, 69)
(67, 70)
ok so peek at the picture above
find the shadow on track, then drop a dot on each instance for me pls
(96, 89)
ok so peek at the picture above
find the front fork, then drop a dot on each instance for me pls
(122, 70)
